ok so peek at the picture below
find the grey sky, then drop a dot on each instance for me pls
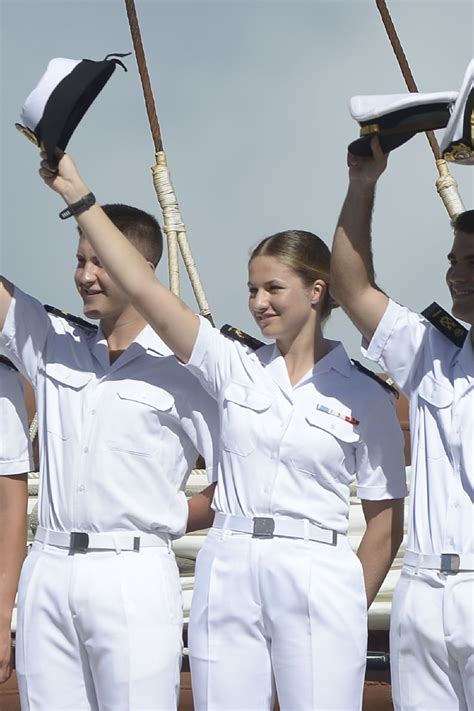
(252, 99)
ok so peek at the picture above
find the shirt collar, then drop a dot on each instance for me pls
(151, 341)
(336, 359)
(147, 341)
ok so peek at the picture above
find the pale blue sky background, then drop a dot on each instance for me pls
(252, 98)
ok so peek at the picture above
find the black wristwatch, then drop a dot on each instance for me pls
(77, 207)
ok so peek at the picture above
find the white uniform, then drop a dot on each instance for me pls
(290, 610)
(432, 628)
(102, 630)
(15, 447)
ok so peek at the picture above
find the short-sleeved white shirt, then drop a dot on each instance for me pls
(279, 454)
(117, 442)
(15, 447)
(438, 379)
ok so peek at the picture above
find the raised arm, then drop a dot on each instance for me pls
(177, 325)
(352, 271)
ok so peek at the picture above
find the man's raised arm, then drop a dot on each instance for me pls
(352, 271)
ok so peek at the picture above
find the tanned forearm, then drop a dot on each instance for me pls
(200, 514)
(13, 510)
(352, 262)
(352, 269)
(380, 542)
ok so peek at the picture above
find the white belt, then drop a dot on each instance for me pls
(267, 527)
(445, 562)
(81, 542)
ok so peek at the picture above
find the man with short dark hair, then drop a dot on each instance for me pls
(120, 426)
(432, 624)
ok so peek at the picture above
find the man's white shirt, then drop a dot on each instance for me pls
(438, 379)
(117, 441)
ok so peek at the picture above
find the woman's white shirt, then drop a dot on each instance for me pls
(279, 454)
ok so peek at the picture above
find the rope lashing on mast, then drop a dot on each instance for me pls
(173, 224)
(446, 185)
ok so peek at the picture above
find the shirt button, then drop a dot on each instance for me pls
(86, 449)
(93, 412)
(81, 487)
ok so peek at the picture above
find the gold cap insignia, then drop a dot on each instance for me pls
(31, 136)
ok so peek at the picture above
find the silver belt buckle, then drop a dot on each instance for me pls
(263, 527)
(450, 563)
(78, 542)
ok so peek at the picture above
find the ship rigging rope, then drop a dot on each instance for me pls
(446, 185)
(173, 224)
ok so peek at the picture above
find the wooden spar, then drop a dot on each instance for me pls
(446, 185)
(173, 224)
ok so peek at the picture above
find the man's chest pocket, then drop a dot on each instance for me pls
(140, 417)
(244, 418)
(435, 402)
(65, 389)
(326, 445)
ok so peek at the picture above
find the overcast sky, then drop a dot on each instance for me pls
(252, 97)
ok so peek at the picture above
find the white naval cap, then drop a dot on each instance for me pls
(62, 96)
(457, 144)
(395, 118)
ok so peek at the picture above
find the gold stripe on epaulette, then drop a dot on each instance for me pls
(237, 335)
(445, 323)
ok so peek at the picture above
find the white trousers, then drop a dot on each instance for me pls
(99, 631)
(277, 615)
(432, 641)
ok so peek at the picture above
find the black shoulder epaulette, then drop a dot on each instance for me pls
(375, 377)
(75, 320)
(6, 361)
(237, 335)
(445, 323)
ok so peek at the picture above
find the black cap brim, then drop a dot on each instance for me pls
(400, 126)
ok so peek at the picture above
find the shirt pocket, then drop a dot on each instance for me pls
(326, 447)
(244, 413)
(64, 398)
(140, 414)
(434, 400)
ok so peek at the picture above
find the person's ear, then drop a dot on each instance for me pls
(318, 291)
